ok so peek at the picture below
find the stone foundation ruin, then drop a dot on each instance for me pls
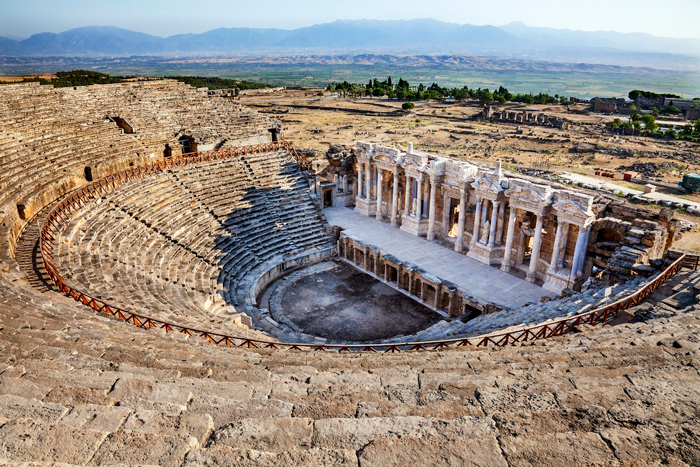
(522, 117)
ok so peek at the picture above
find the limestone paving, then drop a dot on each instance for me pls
(481, 281)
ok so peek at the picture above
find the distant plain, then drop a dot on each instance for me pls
(579, 80)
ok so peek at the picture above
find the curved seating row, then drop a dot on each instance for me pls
(55, 139)
(179, 243)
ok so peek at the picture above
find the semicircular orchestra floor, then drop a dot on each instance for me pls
(336, 301)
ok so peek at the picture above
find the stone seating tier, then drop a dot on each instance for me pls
(79, 388)
(50, 135)
(173, 245)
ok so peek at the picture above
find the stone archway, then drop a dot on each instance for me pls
(187, 144)
(606, 234)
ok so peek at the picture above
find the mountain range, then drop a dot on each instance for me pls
(359, 36)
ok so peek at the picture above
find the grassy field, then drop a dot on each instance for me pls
(585, 83)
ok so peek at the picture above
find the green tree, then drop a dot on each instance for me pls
(407, 106)
(650, 125)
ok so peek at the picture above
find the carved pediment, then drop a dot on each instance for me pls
(573, 206)
(384, 158)
(487, 183)
(528, 194)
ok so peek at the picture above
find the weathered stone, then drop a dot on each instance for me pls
(31, 440)
(226, 456)
(417, 451)
(339, 433)
(272, 435)
(558, 449)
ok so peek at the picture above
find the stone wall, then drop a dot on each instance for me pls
(522, 117)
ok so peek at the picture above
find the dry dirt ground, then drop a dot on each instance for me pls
(313, 121)
(17, 79)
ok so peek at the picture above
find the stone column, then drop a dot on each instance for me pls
(580, 251)
(378, 215)
(557, 246)
(531, 273)
(419, 199)
(395, 199)
(431, 209)
(459, 244)
(507, 263)
(407, 198)
(494, 221)
(446, 211)
(501, 221)
(477, 221)
(564, 241)
(359, 180)
(368, 181)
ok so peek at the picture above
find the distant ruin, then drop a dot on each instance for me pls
(523, 117)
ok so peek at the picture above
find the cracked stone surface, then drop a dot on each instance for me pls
(85, 389)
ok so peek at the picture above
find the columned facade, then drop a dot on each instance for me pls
(518, 225)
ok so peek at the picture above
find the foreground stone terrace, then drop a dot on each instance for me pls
(82, 389)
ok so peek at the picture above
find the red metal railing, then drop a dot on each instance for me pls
(60, 215)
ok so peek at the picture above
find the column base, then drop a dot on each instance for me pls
(485, 254)
(415, 226)
(557, 281)
(506, 266)
(394, 222)
(431, 235)
(366, 207)
(531, 277)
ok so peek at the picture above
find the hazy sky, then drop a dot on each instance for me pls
(670, 18)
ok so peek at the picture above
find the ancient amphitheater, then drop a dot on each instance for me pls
(181, 287)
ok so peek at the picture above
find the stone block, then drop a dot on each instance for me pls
(226, 456)
(33, 441)
(22, 387)
(131, 388)
(96, 417)
(272, 435)
(557, 449)
(224, 411)
(417, 451)
(341, 433)
(12, 407)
